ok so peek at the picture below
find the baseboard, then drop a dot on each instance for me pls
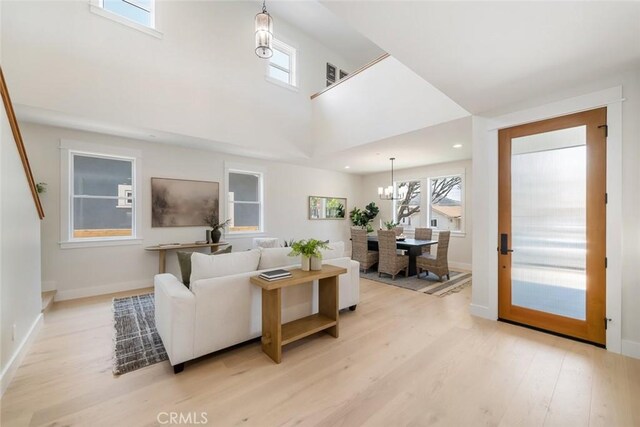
(460, 266)
(16, 360)
(631, 348)
(48, 285)
(68, 294)
(481, 311)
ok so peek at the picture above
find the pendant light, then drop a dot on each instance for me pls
(264, 33)
(388, 193)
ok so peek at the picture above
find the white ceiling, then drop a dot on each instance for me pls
(426, 146)
(322, 25)
(489, 55)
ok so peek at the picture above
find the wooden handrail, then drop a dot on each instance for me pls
(356, 72)
(11, 116)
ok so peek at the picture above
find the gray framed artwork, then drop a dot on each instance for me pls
(183, 202)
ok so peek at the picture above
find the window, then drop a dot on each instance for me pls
(442, 209)
(408, 207)
(282, 65)
(446, 207)
(140, 11)
(244, 201)
(99, 197)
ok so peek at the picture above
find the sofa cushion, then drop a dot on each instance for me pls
(184, 259)
(276, 257)
(205, 266)
(336, 250)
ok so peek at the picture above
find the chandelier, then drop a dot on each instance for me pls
(389, 192)
(264, 33)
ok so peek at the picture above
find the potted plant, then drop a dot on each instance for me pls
(309, 251)
(390, 225)
(213, 235)
(363, 218)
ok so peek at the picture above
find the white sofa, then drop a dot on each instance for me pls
(222, 308)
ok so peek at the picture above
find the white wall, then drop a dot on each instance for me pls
(383, 101)
(485, 220)
(459, 246)
(202, 79)
(87, 271)
(20, 300)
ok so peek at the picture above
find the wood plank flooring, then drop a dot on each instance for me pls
(403, 358)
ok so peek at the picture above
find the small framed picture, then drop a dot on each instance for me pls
(343, 74)
(331, 73)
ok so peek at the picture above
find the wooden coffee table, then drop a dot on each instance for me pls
(274, 333)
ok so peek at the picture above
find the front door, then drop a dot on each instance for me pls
(552, 235)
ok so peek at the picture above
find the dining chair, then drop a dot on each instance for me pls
(390, 262)
(439, 263)
(360, 251)
(424, 234)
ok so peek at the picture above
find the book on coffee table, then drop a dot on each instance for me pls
(275, 275)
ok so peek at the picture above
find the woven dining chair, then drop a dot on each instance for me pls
(360, 251)
(424, 234)
(390, 262)
(438, 264)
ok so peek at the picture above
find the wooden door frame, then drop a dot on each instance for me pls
(593, 329)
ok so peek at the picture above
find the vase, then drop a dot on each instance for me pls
(208, 236)
(305, 261)
(316, 263)
(215, 236)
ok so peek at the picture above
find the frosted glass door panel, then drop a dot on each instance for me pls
(548, 208)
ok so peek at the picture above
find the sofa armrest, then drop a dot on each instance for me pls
(175, 317)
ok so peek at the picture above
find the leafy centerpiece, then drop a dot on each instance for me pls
(309, 251)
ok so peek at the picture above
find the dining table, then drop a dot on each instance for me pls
(412, 246)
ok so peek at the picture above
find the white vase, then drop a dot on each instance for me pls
(305, 262)
(316, 263)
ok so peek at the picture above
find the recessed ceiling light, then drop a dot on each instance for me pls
(347, 167)
(457, 146)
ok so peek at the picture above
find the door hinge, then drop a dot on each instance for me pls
(606, 262)
(606, 322)
(606, 130)
(606, 198)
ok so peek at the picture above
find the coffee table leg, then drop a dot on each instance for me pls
(272, 324)
(328, 301)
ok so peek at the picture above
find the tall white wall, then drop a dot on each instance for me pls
(20, 300)
(484, 300)
(459, 245)
(202, 79)
(87, 271)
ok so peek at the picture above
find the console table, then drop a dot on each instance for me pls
(162, 251)
(275, 335)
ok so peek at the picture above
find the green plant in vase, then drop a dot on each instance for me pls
(390, 225)
(309, 251)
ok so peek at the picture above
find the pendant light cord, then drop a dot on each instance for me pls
(264, 6)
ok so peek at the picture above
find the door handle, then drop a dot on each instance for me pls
(504, 244)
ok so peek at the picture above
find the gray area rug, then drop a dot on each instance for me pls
(136, 342)
(426, 284)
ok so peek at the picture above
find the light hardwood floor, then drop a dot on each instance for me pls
(403, 358)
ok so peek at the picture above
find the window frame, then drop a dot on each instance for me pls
(70, 149)
(246, 170)
(97, 7)
(292, 52)
(425, 202)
